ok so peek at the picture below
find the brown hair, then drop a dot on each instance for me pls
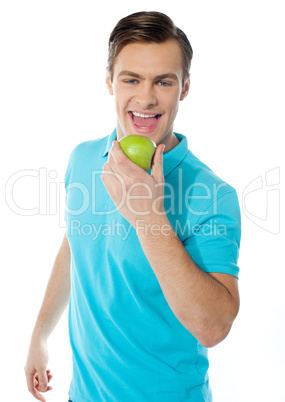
(148, 26)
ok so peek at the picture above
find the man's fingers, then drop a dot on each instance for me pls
(157, 164)
(119, 161)
(43, 380)
(32, 382)
(49, 375)
(108, 175)
(48, 387)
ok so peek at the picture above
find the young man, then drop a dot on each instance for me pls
(149, 261)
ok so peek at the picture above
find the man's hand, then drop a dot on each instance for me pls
(37, 375)
(136, 194)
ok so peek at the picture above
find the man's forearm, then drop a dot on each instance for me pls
(57, 294)
(203, 305)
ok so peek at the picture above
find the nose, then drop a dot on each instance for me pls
(146, 96)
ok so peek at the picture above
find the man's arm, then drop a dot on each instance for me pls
(54, 303)
(205, 304)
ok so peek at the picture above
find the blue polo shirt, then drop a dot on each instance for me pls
(127, 345)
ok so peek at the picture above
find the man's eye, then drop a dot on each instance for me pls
(131, 81)
(164, 83)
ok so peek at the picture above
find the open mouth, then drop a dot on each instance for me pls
(145, 123)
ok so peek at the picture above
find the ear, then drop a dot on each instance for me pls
(185, 90)
(109, 82)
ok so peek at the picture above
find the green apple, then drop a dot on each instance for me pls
(139, 149)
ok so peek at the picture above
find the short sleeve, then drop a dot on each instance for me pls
(215, 237)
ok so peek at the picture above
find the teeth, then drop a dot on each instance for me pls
(145, 116)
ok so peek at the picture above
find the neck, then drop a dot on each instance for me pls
(172, 143)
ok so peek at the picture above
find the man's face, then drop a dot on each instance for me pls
(147, 84)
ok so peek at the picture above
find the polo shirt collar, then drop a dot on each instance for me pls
(112, 137)
(174, 157)
(171, 159)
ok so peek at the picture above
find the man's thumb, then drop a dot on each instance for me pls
(157, 164)
(43, 381)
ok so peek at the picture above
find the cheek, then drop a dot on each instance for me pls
(120, 100)
(173, 107)
(118, 103)
(172, 102)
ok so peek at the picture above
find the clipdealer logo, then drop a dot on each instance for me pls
(260, 197)
(50, 193)
(264, 192)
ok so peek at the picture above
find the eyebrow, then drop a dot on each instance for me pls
(158, 77)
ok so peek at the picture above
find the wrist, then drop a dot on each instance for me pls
(154, 226)
(39, 336)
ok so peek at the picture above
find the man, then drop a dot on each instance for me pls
(149, 260)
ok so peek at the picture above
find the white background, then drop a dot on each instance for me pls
(53, 96)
